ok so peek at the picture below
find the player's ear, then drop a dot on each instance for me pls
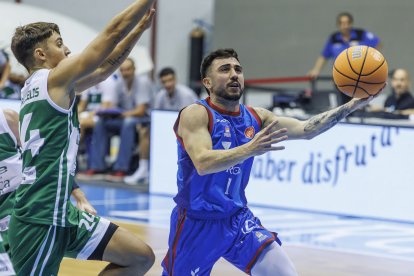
(39, 53)
(207, 83)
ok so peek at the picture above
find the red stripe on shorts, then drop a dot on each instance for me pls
(179, 229)
(254, 259)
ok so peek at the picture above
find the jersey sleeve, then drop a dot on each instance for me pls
(327, 49)
(111, 90)
(158, 100)
(144, 95)
(371, 39)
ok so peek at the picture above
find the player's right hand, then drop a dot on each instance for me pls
(264, 140)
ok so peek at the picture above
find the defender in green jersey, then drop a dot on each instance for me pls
(45, 226)
(6, 267)
(11, 171)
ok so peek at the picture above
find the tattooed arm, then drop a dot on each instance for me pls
(118, 55)
(315, 125)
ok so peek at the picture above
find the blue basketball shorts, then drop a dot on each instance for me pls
(195, 245)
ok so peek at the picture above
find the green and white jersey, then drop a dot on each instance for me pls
(6, 267)
(50, 136)
(10, 171)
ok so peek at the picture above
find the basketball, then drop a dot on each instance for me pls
(360, 71)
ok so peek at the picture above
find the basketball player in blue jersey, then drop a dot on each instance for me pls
(45, 226)
(217, 140)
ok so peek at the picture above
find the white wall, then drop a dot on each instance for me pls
(175, 22)
(75, 33)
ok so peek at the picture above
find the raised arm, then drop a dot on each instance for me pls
(197, 142)
(314, 126)
(71, 69)
(118, 55)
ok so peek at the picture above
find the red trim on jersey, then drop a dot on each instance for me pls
(221, 110)
(210, 118)
(254, 259)
(166, 259)
(177, 122)
(254, 113)
(179, 229)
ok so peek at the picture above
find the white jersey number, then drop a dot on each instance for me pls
(35, 142)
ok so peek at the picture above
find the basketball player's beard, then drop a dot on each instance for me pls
(230, 96)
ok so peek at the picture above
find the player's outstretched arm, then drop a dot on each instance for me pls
(197, 142)
(315, 125)
(118, 55)
(71, 69)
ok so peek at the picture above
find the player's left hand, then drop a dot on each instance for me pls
(358, 103)
(86, 206)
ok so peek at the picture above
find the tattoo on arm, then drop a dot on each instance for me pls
(118, 60)
(322, 122)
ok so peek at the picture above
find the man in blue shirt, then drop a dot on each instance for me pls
(345, 37)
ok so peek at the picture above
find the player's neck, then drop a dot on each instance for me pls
(230, 106)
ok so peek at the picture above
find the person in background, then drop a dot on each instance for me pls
(401, 101)
(4, 68)
(345, 37)
(173, 97)
(91, 101)
(133, 97)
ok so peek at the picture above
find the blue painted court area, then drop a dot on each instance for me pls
(346, 234)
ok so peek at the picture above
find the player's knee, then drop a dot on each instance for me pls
(142, 257)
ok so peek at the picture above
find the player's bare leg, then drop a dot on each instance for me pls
(274, 261)
(127, 254)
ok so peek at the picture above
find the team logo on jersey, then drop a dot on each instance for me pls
(227, 132)
(222, 121)
(235, 170)
(226, 145)
(260, 236)
(195, 272)
(249, 226)
(249, 132)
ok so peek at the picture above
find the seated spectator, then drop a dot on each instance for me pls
(10, 82)
(401, 101)
(132, 97)
(90, 102)
(4, 68)
(172, 96)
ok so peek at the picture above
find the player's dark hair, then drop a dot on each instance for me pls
(27, 38)
(347, 14)
(218, 54)
(166, 71)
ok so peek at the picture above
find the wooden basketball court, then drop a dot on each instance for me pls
(308, 261)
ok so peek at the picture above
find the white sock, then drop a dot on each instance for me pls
(142, 170)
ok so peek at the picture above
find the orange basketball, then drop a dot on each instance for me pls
(360, 71)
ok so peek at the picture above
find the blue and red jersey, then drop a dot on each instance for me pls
(220, 194)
